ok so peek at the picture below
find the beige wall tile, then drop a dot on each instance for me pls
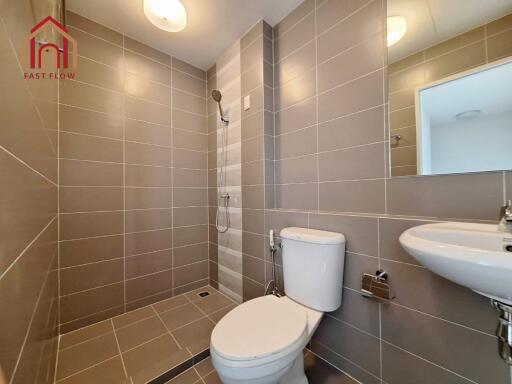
(355, 29)
(143, 88)
(81, 225)
(139, 109)
(145, 67)
(141, 242)
(88, 122)
(98, 49)
(84, 199)
(84, 251)
(298, 35)
(90, 97)
(143, 49)
(80, 278)
(145, 132)
(28, 205)
(359, 95)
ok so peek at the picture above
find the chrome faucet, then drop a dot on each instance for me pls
(505, 224)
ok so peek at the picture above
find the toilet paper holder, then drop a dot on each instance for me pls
(377, 287)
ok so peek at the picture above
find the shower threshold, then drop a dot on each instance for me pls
(152, 344)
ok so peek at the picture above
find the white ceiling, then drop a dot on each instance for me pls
(431, 21)
(212, 27)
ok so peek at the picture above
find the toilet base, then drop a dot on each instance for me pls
(296, 374)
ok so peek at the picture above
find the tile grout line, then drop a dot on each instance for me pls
(32, 317)
(165, 326)
(85, 369)
(117, 344)
(337, 368)
(124, 186)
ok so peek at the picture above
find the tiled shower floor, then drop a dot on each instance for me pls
(165, 338)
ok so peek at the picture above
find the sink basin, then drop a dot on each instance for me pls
(476, 256)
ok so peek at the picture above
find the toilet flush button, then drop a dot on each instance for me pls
(247, 102)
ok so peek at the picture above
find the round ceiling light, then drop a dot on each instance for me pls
(169, 15)
(397, 27)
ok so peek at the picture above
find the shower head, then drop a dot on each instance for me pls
(217, 97)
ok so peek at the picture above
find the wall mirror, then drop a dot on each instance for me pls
(450, 86)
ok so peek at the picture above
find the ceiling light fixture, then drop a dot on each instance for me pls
(169, 15)
(468, 115)
(397, 27)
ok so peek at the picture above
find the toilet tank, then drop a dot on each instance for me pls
(313, 264)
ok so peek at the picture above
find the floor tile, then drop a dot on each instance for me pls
(170, 303)
(213, 378)
(181, 316)
(86, 354)
(195, 335)
(218, 315)
(213, 302)
(132, 316)
(154, 358)
(204, 367)
(83, 334)
(139, 332)
(109, 372)
(190, 376)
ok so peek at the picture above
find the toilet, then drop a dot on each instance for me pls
(262, 340)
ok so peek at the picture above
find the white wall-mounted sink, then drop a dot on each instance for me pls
(476, 256)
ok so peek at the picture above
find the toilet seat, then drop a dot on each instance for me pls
(259, 331)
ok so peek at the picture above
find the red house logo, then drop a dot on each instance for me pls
(38, 47)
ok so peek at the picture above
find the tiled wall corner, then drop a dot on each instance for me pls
(257, 152)
(28, 195)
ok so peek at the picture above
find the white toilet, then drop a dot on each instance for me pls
(262, 340)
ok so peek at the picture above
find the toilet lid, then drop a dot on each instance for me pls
(258, 328)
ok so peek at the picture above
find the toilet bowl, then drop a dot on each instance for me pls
(262, 342)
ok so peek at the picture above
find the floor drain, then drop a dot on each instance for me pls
(203, 294)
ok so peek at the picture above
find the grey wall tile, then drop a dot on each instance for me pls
(300, 115)
(365, 196)
(358, 27)
(360, 128)
(359, 312)
(359, 95)
(351, 343)
(389, 233)
(304, 9)
(296, 90)
(470, 196)
(332, 12)
(403, 327)
(300, 61)
(298, 35)
(297, 196)
(418, 288)
(401, 367)
(355, 62)
(360, 232)
(365, 162)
